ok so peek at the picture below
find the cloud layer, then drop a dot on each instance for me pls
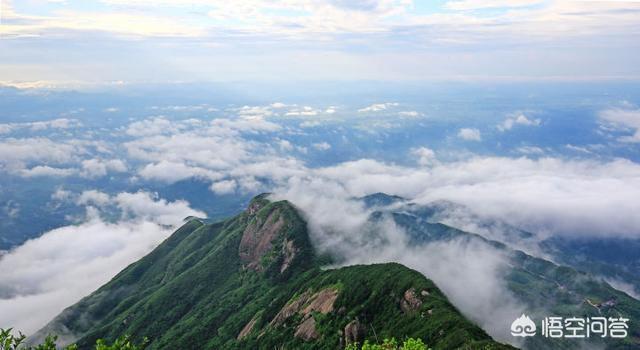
(625, 119)
(45, 275)
(325, 39)
(258, 149)
(469, 273)
(546, 195)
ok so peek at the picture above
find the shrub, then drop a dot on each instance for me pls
(10, 342)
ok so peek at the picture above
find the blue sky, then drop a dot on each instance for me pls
(97, 41)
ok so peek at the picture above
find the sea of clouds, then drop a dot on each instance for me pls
(552, 195)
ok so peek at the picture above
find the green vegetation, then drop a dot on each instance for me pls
(255, 282)
(10, 342)
(545, 288)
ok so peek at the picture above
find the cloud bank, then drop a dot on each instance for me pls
(45, 275)
(544, 195)
(625, 119)
(470, 273)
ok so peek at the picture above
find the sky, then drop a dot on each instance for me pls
(66, 42)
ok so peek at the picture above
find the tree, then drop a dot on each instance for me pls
(10, 342)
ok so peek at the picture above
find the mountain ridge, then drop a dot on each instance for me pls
(254, 281)
(545, 287)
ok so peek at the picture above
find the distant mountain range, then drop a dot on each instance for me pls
(546, 288)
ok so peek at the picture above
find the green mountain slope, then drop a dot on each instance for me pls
(545, 288)
(254, 282)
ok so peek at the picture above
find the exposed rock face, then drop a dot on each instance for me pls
(247, 328)
(307, 303)
(354, 331)
(322, 301)
(257, 238)
(290, 309)
(410, 302)
(307, 330)
(289, 252)
(255, 206)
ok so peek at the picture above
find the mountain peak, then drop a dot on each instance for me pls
(275, 237)
(253, 282)
(380, 199)
(258, 202)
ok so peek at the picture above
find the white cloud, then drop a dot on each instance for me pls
(625, 119)
(255, 112)
(17, 153)
(278, 105)
(5, 128)
(425, 156)
(89, 197)
(174, 171)
(94, 168)
(471, 274)
(283, 30)
(470, 134)
(45, 275)
(61, 194)
(377, 107)
(209, 151)
(322, 146)
(60, 123)
(45, 170)
(224, 187)
(411, 114)
(530, 150)
(160, 126)
(519, 119)
(526, 193)
(149, 207)
(285, 145)
(304, 111)
(624, 286)
(40, 156)
(577, 148)
(465, 5)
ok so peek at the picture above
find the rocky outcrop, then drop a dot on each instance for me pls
(257, 238)
(354, 331)
(289, 251)
(410, 302)
(307, 330)
(290, 309)
(247, 328)
(322, 301)
(305, 304)
(257, 203)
